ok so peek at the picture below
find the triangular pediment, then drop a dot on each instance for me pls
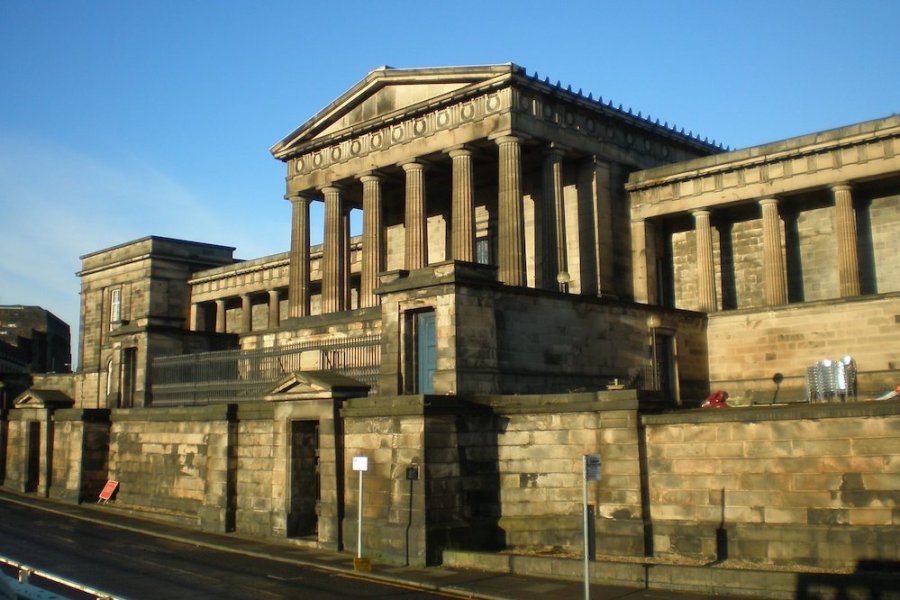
(385, 92)
(43, 399)
(316, 385)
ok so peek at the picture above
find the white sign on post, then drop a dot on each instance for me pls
(360, 463)
(593, 467)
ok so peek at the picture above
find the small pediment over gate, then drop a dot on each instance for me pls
(317, 385)
(43, 399)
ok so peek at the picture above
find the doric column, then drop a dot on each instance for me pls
(372, 260)
(246, 313)
(511, 229)
(463, 193)
(602, 192)
(415, 220)
(298, 269)
(274, 307)
(706, 270)
(220, 316)
(332, 263)
(845, 225)
(554, 207)
(345, 256)
(773, 259)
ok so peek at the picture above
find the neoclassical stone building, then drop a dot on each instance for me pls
(539, 275)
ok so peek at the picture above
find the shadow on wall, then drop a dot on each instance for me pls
(872, 580)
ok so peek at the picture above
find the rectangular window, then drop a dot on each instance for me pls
(483, 250)
(115, 306)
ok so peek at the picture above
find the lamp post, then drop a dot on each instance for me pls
(563, 280)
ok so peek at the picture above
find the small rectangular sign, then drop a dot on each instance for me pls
(108, 490)
(593, 467)
(360, 463)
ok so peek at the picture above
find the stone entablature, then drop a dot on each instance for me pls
(844, 155)
(511, 102)
(250, 276)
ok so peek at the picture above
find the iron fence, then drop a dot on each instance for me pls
(243, 375)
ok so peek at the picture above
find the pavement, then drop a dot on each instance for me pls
(491, 578)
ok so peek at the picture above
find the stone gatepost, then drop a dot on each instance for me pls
(80, 454)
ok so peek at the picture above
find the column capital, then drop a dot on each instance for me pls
(460, 150)
(842, 186)
(413, 164)
(370, 176)
(769, 200)
(506, 138)
(701, 212)
(332, 188)
(302, 195)
(555, 149)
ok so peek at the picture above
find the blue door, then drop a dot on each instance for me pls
(426, 352)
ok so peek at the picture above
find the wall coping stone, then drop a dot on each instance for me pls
(98, 415)
(754, 414)
(802, 306)
(212, 412)
(357, 315)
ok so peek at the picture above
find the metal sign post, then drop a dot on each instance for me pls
(592, 466)
(360, 464)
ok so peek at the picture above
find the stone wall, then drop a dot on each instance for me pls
(80, 454)
(174, 463)
(748, 348)
(816, 485)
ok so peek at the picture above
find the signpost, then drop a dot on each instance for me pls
(360, 464)
(592, 466)
(107, 492)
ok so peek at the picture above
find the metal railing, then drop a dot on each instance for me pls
(27, 581)
(244, 375)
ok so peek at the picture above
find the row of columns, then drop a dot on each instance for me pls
(336, 261)
(773, 259)
(274, 299)
(511, 230)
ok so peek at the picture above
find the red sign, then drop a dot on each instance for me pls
(108, 490)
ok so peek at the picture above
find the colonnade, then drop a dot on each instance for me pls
(510, 228)
(246, 300)
(774, 267)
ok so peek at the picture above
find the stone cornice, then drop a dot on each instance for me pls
(781, 151)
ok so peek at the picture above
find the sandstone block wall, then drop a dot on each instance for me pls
(816, 485)
(80, 454)
(747, 348)
(174, 463)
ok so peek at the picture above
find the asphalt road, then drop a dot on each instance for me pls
(135, 566)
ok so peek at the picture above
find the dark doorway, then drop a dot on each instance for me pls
(305, 482)
(32, 456)
(129, 370)
(426, 352)
(666, 365)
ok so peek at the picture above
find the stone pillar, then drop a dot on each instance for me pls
(298, 269)
(195, 316)
(463, 192)
(246, 314)
(372, 258)
(220, 316)
(554, 206)
(845, 226)
(511, 228)
(274, 309)
(773, 258)
(345, 256)
(332, 261)
(706, 270)
(603, 229)
(415, 218)
(643, 256)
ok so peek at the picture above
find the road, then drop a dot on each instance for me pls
(135, 566)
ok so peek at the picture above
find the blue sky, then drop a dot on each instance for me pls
(125, 119)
